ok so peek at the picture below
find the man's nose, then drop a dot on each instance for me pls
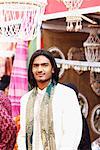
(40, 68)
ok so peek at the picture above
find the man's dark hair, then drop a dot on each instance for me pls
(47, 54)
(4, 82)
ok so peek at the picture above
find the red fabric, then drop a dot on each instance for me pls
(5, 102)
(7, 126)
(55, 6)
(42, 44)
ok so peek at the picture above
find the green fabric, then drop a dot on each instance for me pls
(46, 119)
(32, 48)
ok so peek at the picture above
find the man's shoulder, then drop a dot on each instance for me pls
(26, 95)
(63, 87)
(64, 90)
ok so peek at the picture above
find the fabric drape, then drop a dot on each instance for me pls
(19, 78)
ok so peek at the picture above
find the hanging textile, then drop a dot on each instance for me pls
(19, 78)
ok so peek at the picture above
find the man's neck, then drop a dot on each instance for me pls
(42, 85)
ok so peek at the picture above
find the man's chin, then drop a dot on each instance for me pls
(43, 80)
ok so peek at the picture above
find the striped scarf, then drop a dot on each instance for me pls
(46, 119)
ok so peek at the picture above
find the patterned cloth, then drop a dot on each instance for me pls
(7, 126)
(19, 82)
(5, 102)
(46, 120)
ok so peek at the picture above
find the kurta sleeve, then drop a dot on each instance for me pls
(71, 122)
(22, 132)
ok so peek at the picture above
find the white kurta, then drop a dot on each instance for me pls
(67, 119)
(37, 143)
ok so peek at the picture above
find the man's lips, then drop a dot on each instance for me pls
(40, 75)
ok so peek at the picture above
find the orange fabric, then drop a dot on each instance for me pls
(17, 121)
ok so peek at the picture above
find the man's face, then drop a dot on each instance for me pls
(42, 69)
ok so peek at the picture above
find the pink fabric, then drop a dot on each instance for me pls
(60, 7)
(19, 78)
(4, 100)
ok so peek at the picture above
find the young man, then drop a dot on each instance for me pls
(7, 126)
(50, 116)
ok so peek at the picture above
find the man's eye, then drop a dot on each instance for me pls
(35, 65)
(45, 65)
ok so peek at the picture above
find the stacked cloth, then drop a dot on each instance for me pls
(19, 78)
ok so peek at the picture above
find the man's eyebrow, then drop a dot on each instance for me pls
(41, 63)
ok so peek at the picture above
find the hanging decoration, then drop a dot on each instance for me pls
(92, 49)
(73, 20)
(92, 46)
(72, 4)
(75, 53)
(74, 23)
(19, 19)
(57, 53)
(95, 82)
(95, 119)
(83, 102)
(79, 65)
